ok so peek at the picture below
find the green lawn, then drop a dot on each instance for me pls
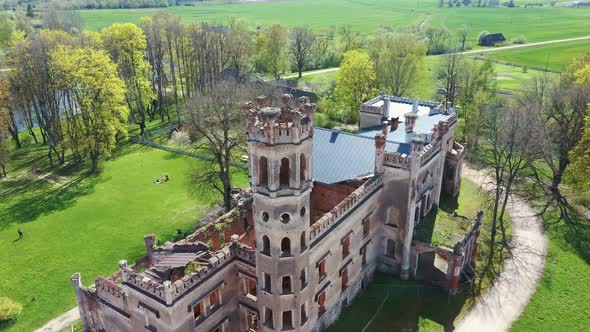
(552, 57)
(74, 222)
(562, 299)
(536, 24)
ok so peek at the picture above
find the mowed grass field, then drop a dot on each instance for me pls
(536, 24)
(553, 57)
(562, 299)
(74, 222)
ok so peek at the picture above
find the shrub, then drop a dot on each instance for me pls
(520, 39)
(9, 309)
(525, 69)
(322, 120)
(481, 36)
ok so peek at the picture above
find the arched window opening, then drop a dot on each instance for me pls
(263, 171)
(303, 245)
(265, 245)
(284, 172)
(285, 247)
(302, 168)
(417, 214)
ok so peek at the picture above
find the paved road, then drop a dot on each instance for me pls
(64, 321)
(503, 304)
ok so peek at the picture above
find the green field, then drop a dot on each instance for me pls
(536, 24)
(76, 222)
(562, 299)
(552, 57)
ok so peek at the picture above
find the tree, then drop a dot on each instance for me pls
(399, 61)
(30, 12)
(66, 20)
(274, 50)
(437, 39)
(450, 74)
(99, 114)
(6, 28)
(215, 119)
(302, 41)
(355, 83)
(127, 45)
(512, 141)
(462, 36)
(350, 40)
(240, 42)
(4, 153)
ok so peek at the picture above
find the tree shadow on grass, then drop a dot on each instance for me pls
(41, 201)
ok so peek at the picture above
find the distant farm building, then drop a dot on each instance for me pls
(492, 39)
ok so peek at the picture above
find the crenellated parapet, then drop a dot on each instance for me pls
(350, 202)
(289, 123)
(399, 160)
(429, 150)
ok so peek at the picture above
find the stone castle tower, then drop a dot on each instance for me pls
(280, 157)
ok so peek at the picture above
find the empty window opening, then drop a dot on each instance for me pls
(267, 282)
(366, 227)
(285, 247)
(286, 285)
(344, 277)
(417, 215)
(265, 245)
(284, 172)
(303, 278)
(302, 244)
(285, 218)
(321, 303)
(287, 320)
(268, 321)
(265, 216)
(322, 269)
(390, 250)
(364, 254)
(215, 298)
(303, 314)
(199, 310)
(302, 168)
(263, 171)
(345, 246)
(249, 287)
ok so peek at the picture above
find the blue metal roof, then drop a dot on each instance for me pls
(339, 156)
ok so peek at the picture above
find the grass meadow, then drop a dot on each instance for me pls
(552, 57)
(75, 222)
(536, 24)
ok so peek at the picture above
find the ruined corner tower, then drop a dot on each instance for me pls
(280, 157)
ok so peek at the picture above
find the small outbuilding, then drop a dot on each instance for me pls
(492, 39)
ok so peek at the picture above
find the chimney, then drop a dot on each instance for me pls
(394, 123)
(380, 142)
(410, 121)
(385, 129)
(415, 106)
(261, 102)
(386, 105)
(286, 99)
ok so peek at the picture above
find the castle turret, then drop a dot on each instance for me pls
(280, 155)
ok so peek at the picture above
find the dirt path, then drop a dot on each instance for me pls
(61, 322)
(503, 304)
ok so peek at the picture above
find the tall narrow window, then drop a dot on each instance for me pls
(303, 278)
(417, 215)
(302, 168)
(263, 171)
(286, 285)
(303, 314)
(265, 245)
(215, 298)
(344, 277)
(366, 227)
(321, 303)
(268, 321)
(287, 320)
(199, 310)
(267, 282)
(390, 250)
(345, 246)
(284, 172)
(364, 254)
(302, 244)
(322, 269)
(249, 287)
(285, 247)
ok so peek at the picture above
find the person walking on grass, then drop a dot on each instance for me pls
(20, 233)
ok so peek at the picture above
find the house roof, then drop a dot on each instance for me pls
(340, 156)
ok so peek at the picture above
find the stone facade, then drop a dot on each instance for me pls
(296, 250)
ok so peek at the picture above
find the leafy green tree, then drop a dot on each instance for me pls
(126, 44)
(30, 12)
(92, 82)
(240, 42)
(6, 28)
(302, 41)
(399, 61)
(355, 83)
(273, 51)
(4, 123)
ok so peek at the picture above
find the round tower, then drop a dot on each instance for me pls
(280, 156)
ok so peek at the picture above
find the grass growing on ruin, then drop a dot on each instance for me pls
(553, 57)
(78, 222)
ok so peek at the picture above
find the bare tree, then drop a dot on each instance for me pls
(512, 139)
(302, 41)
(450, 74)
(216, 121)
